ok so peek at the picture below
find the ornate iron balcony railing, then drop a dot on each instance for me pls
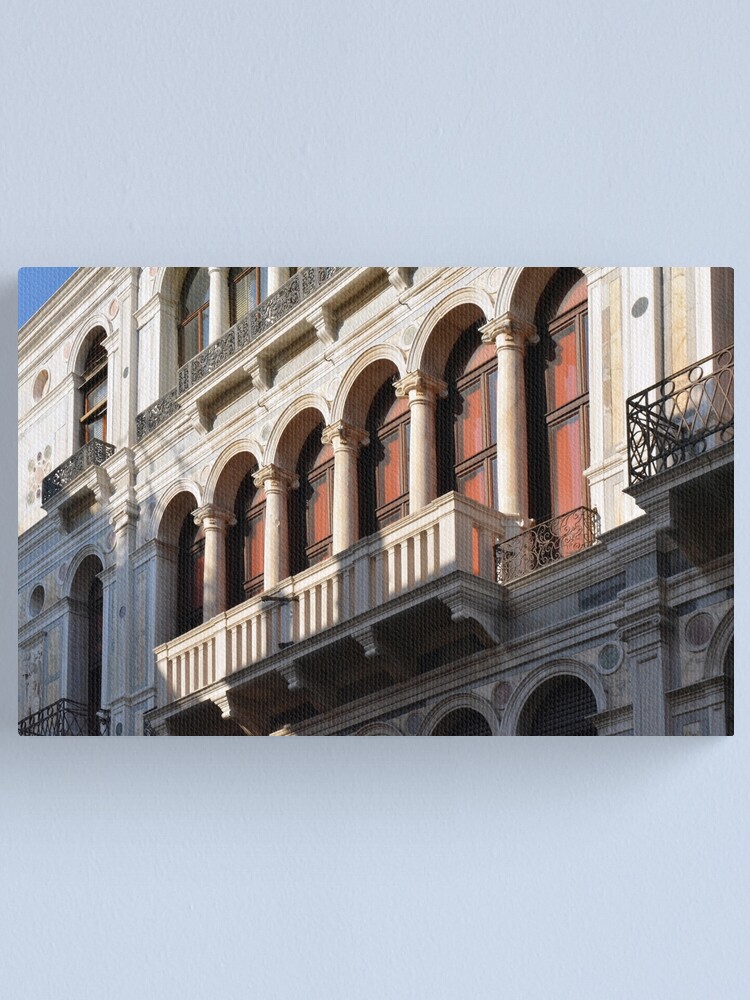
(65, 718)
(546, 543)
(94, 452)
(244, 331)
(681, 417)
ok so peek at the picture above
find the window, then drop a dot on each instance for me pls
(384, 463)
(312, 503)
(468, 419)
(190, 576)
(561, 706)
(248, 286)
(194, 315)
(245, 542)
(93, 422)
(95, 632)
(558, 400)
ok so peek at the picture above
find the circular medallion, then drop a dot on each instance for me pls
(698, 630)
(610, 657)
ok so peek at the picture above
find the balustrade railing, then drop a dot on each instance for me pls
(452, 533)
(545, 543)
(245, 331)
(94, 452)
(682, 416)
(66, 718)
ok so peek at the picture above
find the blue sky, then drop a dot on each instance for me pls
(35, 285)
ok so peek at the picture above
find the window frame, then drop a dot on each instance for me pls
(94, 375)
(202, 313)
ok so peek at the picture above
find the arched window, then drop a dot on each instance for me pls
(558, 399)
(560, 706)
(95, 631)
(462, 722)
(190, 576)
(384, 463)
(193, 331)
(312, 504)
(245, 542)
(468, 419)
(93, 422)
(248, 286)
(84, 684)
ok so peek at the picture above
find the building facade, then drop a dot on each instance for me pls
(378, 501)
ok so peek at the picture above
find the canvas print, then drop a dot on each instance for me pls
(397, 501)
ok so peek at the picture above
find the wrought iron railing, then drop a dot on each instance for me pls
(245, 331)
(94, 452)
(66, 718)
(546, 543)
(682, 416)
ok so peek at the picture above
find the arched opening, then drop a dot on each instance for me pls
(192, 334)
(384, 462)
(560, 706)
(557, 398)
(311, 506)
(246, 541)
(86, 631)
(93, 390)
(729, 688)
(462, 722)
(190, 564)
(467, 419)
(248, 286)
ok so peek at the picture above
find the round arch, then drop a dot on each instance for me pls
(88, 551)
(168, 282)
(289, 432)
(718, 646)
(82, 338)
(159, 526)
(226, 473)
(459, 308)
(522, 287)
(346, 405)
(378, 729)
(456, 702)
(537, 677)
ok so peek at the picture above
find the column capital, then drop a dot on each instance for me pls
(221, 270)
(509, 331)
(275, 479)
(418, 385)
(343, 435)
(210, 516)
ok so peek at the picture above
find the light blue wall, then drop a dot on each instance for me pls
(370, 133)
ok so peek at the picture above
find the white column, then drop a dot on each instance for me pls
(511, 336)
(347, 441)
(218, 299)
(276, 482)
(215, 522)
(423, 391)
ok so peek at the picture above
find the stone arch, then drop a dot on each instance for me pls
(91, 550)
(83, 338)
(378, 729)
(168, 282)
(521, 289)
(453, 702)
(535, 678)
(228, 471)
(353, 398)
(161, 526)
(442, 325)
(718, 646)
(289, 434)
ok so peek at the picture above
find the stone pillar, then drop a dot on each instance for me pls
(276, 482)
(646, 636)
(422, 391)
(346, 441)
(218, 298)
(276, 278)
(215, 522)
(511, 336)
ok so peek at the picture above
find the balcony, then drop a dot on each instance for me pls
(65, 718)
(73, 471)
(546, 543)
(681, 417)
(438, 560)
(246, 331)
